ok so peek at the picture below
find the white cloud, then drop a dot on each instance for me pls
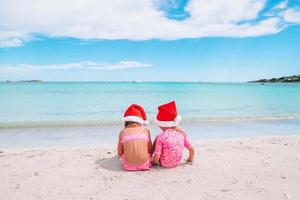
(11, 42)
(12, 38)
(220, 11)
(281, 5)
(292, 15)
(130, 19)
(86, 65)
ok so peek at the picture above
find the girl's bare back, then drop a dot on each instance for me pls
(136, 145)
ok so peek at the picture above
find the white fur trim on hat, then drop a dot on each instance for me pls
(135, 119)
(177, 119)
(169, 123)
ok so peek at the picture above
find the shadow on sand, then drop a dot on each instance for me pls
(112, 163)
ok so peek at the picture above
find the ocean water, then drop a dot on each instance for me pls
(100, 104)
(55, 114)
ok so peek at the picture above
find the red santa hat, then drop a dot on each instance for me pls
(167, 115)
(135, 113)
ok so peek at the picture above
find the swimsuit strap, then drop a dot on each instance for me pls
(135, 136)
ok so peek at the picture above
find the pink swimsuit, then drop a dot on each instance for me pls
(170, 145)
(136, 136)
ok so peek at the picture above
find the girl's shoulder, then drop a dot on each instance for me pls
(122, 133)
(179, 130)
(146, 131)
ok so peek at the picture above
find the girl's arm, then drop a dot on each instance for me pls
(157, 146)
(191, 155)
(188, 145)
(150, 141)
(155, 159)
(120, 148)
(153, 146)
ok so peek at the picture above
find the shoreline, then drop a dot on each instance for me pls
(93, 135)
(263, 167)
(116, 122)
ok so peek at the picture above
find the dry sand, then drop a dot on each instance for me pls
(251, 168)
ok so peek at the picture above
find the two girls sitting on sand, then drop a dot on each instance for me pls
(135, 147)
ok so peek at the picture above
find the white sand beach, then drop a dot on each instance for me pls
(266, 167)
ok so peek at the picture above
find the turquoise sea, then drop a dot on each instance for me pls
(75, 104)
(236, 108)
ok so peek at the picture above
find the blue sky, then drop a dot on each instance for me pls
(162, 41)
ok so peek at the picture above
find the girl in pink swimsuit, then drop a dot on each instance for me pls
(169, 145)
(135, 146)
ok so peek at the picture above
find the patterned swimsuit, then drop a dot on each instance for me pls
(170, 145)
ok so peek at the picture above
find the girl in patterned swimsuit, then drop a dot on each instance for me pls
(134, 146)
(169, 145)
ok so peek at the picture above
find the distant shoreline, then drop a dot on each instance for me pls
(284, 79)
(24, 81)
(184, 82)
